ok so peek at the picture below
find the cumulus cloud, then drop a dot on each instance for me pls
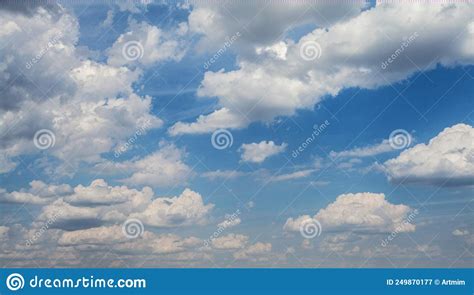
(230, 222)
(93, 236)
(185, 209)
(100, 193)
(293, 225)
(209, 123)
(146, 44)
(360, 212)
(114, 240)
(447, 159)
(214, 24)
(162, 168)
(51, 236)
(38, 193)
(230, 241)
(89, 106)
(99, 80)
(343, 243)
(258, 152)
(100, 203)
(350, 53)
(6, 164)
(257, 251)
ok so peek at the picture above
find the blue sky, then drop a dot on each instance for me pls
(386, 182)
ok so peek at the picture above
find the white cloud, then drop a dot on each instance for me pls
(133, 7)
(108, 21)
(258, 152)
(341, 243)
(320, 183)
(38, 193)
(100, 203)
(95, 80)
(277, 50)
(6, 164)
(367, 151)
(294, 175)
(86, 135)
(272, 95)
(360, 212)
(256, 251)
(185, 209)
(365, 211)
(209, 123)
(460, 232)
(154, 45)
(162, 168)
(89, 106)
(222, 174)
(349, 164)
(112, 239)
(420, 251)
(69, 217)
(93, 236)
(293, 225)
(447, 159)
(351, 55)
(230, 222)
(100, 193)
(230, 241)
(214, 23)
